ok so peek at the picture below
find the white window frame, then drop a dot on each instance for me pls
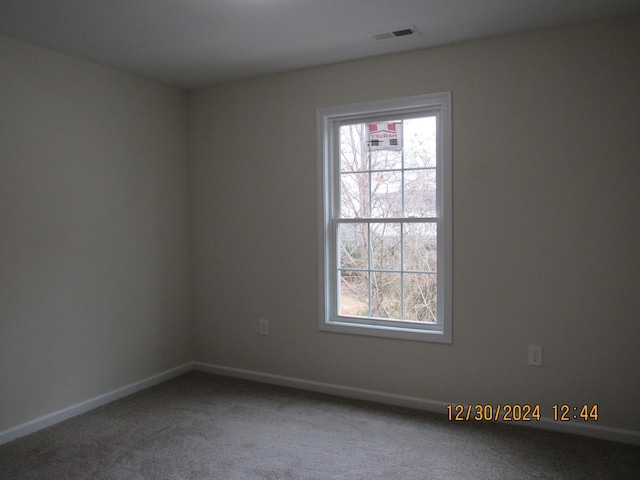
(328, 121)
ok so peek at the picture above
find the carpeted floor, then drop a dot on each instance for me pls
(201, 426)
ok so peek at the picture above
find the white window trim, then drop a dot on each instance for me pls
(327, 119)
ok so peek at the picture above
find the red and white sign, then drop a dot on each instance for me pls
(384, 136)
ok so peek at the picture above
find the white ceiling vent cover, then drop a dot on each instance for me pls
(400, 32)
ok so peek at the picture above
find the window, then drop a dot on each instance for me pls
(385, 218)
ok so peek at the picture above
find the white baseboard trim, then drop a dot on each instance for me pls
(585, 429)
(329, 388)
(545, 423)
(95, 402)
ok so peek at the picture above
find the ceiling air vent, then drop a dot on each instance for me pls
(401, 32)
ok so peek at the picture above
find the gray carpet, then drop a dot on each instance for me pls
(201, 426)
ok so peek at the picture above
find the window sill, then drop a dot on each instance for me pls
(402, 332)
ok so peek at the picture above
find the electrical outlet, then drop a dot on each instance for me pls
(535, 355)
(264, 326)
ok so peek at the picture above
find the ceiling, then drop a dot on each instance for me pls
(194, 43)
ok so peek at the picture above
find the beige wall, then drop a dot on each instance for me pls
(546, 156)
(94, 280)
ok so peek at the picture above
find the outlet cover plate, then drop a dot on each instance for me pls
(535, 355)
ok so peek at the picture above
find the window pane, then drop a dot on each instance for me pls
(353, 153)
(353, 239)
(354, 293)
(420, 193)
(420, 142)
(385, 295)
(354, 195)
(420, 297)
(383, 138)
(420, 247)
(385, 159)
(386, 194)
(385, 246)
